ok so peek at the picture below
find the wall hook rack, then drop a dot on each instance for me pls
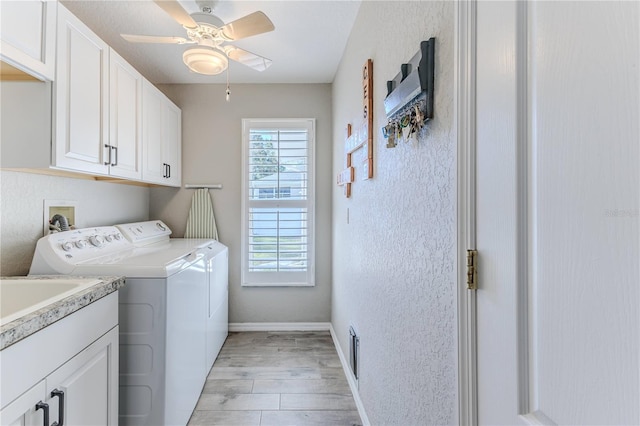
(413, 85)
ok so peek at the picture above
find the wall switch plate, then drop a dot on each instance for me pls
(65, 208)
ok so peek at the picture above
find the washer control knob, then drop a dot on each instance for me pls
(96, 240)
(81, 244)
(66, 246)
(118, 236)
(159, 225)
(108, 238)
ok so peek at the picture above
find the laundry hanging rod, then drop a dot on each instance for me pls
(203, 185)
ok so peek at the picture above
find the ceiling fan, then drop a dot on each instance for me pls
(211, 37)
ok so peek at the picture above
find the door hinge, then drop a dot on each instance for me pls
(472, 269)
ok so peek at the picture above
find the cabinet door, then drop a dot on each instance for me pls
(28, 33)
(153, 167)
(89, 381)
(173, 143)
(22, 411)
(81, 97)
(125, 118)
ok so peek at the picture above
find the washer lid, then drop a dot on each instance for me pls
(153, 261)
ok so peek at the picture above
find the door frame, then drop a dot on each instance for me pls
(465, 124)
(465, 66)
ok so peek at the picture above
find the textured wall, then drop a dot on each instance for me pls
(21, 210)
(212, 153)
(394, 262)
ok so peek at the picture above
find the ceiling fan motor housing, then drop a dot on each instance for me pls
(207, 33)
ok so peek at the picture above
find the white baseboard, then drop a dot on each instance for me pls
(350, 378)
(279, 326)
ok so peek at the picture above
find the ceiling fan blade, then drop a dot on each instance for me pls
(177, 12)
(247, 26)
(249, 59)
(155, 39)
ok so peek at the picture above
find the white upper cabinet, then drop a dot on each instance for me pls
(125, 119)
(162, 138)
(173, 142)
(104, 119)
(28, 34)
(81, 98)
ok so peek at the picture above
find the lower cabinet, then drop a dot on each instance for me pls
(86, 382)
(24, 411)
(66, 373)
(80, 392)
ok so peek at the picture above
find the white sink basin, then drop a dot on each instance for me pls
(20, 297)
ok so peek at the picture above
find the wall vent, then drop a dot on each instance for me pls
(354, 351)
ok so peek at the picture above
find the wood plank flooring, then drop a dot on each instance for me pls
(277, 378)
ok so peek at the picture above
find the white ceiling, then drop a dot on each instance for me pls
(306, 46)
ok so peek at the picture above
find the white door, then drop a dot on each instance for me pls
(558, 198)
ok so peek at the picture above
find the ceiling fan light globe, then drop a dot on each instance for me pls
(206, 61)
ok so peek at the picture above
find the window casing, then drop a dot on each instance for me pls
(278, 198)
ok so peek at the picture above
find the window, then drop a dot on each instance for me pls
(278, 202)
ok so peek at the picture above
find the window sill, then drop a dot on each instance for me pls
(302, 284)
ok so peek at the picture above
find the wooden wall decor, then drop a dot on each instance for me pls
(361, 136)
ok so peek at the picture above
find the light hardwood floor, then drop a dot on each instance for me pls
(277, 378)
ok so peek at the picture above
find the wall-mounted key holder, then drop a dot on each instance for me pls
(409, 101)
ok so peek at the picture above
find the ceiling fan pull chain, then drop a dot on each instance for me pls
(228, 90)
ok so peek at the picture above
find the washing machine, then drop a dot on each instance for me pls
(173, 315)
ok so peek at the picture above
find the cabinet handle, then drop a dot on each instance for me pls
(60, 395)
(164, 170)
(106, 163)
(169, 170)
(45, 407)
(115, 152)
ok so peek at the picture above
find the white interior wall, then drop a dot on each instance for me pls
(212, 153)
(22, 198)
(394, 260)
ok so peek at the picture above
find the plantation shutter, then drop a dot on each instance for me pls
(278, 202)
